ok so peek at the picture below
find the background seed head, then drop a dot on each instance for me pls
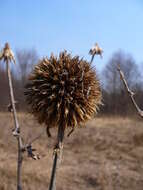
(6, 54)
(63, 89)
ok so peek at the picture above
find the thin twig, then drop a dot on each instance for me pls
(17, 128)
(16, 131)
(130, 93)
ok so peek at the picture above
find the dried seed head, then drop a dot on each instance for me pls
(96, 50)
(7, 54)
(63, 89)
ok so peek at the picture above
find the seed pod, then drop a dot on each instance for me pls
(63, 90)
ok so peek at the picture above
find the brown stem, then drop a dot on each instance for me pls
(92, 58)
(131, 94)
(60, 137)
(16, 131)
(53, 174)
(19, 165)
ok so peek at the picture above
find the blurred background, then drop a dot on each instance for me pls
(107, 154)
(35, 29)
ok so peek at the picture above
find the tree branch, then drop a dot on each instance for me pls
(130, 93)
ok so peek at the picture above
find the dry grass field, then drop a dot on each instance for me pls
(107, 154)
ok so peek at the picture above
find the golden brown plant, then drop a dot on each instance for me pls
(63, 90)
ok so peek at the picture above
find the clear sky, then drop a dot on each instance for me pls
(74, 25)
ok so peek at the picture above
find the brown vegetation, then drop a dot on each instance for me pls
(114, 96)
(63, 90)
(107, 155)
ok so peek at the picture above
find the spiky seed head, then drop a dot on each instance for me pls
(63, 89)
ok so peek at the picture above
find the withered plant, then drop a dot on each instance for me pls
(7, 56)
(63, 92)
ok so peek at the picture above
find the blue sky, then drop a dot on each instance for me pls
(74, 25)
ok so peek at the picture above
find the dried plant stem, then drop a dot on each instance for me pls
(131, 93)
(8, 56)
(16, 131)
(52, 185)
(19, 165)
(58, 147)
(92, 58)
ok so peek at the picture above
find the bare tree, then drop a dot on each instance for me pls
(26, 59)
(116, 101)
(112, 80)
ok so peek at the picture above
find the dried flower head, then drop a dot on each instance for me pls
(7, 54)
(96, 50)
(63, 90)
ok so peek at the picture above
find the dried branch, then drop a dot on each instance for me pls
(130, 93)
(16, 131)
(7, 56)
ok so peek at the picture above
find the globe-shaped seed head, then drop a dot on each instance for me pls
(63, 89)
